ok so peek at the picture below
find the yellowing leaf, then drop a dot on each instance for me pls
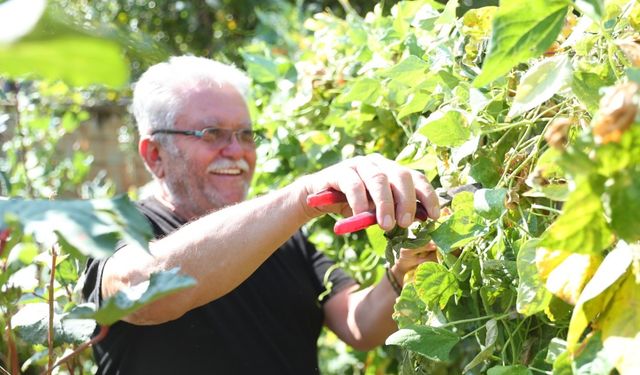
(598, 292)
(620, 326)
(569, 277)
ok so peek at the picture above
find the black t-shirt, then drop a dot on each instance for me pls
(267, 325)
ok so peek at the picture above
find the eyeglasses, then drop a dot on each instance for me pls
(218, 136)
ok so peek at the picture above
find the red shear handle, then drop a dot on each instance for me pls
(355, 222)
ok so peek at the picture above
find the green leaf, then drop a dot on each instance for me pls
(91, 227)
(620, 325)
(562, 365)
(128, 301)
(435, 285)
(445, 129)
(489, 346)
(509, 370)
(461, 227)
(365, 90)
(521, 30)
(533, 297)
(32, 321)
(484, 169)
(586, 85)
(260, 68)
(409, 308)
(592, 359)
(540, 83)
(377, 240)
(581, 227)
(598, 292)
(410, 71)
(57, 48)
(556, 347)
(624, 204)
(489, 203)
(593, 9)
(433, 343)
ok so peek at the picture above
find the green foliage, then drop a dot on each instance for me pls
(464, 96)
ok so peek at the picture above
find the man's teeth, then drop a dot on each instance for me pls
(233, 171)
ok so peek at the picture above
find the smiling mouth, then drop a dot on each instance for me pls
(228, 172)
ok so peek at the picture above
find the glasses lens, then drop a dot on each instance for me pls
(213, 135)
(247, 136)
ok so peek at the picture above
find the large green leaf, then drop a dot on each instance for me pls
(365, 90)
(489, 203)
(90, 227)
(32, 321)
(446, 129)
(260, 68)
(533, 297)
(55, 47)
(409, 308)
(410, 71)
(435, 284)
(521, 30)
(461, 227)
(127, 301)
(431, 342)
(599, 290)
(581, 227)
(592, 359)
(620, 325)
(594, 9)
(540, 83)
(624, 204)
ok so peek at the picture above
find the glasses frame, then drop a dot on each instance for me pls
(256, 135)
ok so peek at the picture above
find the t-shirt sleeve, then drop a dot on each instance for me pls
(331, 283)
(92, 288)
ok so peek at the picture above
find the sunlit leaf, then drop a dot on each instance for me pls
(489, 203)
(581, 227)
(88, 227)
(565, 274)
(435, 285)
(57, 48)
(409, 308)
(32, 325)
(624, 203)
(533, 297)
(521, 30)
(594, 9)
(620, 325)
(540, 83)
(365, 90)
(445, 129)
(129, 300)
(433, 343)
(598, 292)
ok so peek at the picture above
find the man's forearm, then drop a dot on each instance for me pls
(219, 250)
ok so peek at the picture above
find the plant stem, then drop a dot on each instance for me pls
(23, 148)
(471, 320)
(13, 351)
(101, 335)
(52, 279)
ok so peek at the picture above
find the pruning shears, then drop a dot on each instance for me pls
(368, 218)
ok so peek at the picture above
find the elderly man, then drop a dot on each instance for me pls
(255, 308)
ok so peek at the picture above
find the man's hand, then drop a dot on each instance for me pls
(374, 182)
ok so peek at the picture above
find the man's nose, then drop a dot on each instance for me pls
(233, 148)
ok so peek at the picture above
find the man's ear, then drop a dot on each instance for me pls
(150, 152)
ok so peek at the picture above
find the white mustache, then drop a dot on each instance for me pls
(228, 164)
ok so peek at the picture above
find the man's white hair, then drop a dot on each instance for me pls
(157, 95)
